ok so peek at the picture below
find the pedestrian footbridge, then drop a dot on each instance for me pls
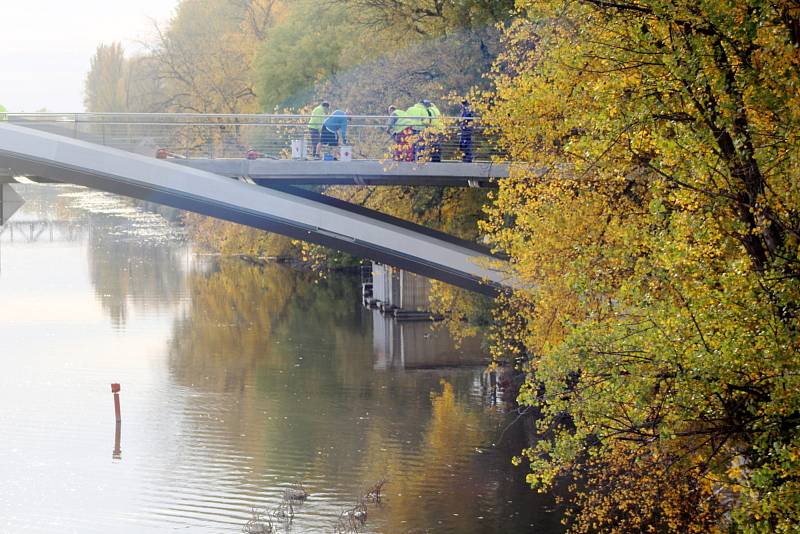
(279, 208)
(276, 148)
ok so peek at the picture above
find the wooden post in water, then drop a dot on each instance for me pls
(115, 390)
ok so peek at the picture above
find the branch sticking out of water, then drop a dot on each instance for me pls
(373, 494)
(260, 523)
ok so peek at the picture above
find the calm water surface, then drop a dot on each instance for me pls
(237, 382)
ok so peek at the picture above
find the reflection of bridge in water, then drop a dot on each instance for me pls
(100, 152)
(42, 230)
(402, 332)
(400, 344)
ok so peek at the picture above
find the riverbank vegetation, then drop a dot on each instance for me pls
(656, 249)
(654, 237)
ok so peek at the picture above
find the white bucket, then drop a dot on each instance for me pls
(299, 149)
(345, 153)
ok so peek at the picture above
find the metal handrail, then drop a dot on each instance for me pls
(220, 135)
(77, 115)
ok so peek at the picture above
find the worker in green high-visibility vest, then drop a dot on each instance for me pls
(315, 126)
(3, 112)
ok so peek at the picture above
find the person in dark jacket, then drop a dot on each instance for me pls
(434, 137)
(334, 126)
(465, 128)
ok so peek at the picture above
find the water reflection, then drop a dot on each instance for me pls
(292, 379)
(135, 256)
(32, 231)
(117, 453)
(420, 345)
(240, 381)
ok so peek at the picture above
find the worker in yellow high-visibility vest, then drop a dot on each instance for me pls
(435, 114)
(417, 117)
(3, 112)
(417, 120)
(315, 125)
(399, 128)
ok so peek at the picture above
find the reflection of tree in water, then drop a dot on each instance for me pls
(449, 474)
(228, 324)
(448, 438)
(283, 370)
(133, 258)
(298, 341)
(127, 269)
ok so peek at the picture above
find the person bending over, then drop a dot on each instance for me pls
(334, 127)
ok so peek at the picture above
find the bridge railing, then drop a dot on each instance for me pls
(186, 135)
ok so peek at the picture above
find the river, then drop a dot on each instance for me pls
(237, 382)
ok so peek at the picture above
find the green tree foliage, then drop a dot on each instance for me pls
(235, 239)
(145, 90)
(305, 49)
(202, 61)
(365, 54)
(655, 251)
(434, 69)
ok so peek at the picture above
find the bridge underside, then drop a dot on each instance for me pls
(356, 172)
(296, 214)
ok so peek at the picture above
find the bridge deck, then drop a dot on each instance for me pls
(411, 247)
(356, 172)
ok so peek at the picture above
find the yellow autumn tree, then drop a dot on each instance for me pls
(104, 88)
(205, 54)
(654, 245)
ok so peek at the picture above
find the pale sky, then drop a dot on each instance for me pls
(46, 45)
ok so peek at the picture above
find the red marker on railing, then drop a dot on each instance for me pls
(115, 390)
